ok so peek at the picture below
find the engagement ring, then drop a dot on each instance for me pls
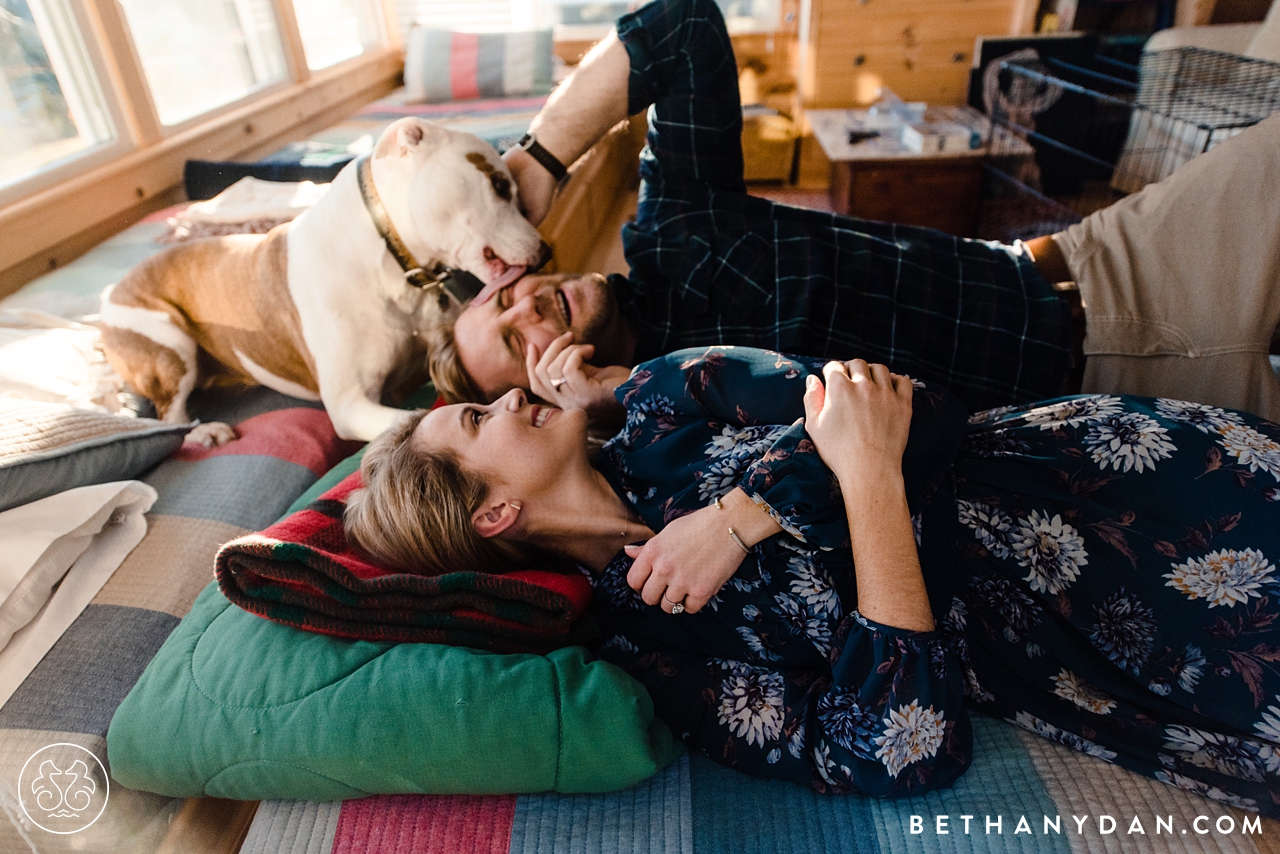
(676, 607)
(557, 382)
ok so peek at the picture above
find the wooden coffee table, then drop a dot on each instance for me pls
(879, 179)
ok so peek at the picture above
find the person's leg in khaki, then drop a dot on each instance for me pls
(1181, 281)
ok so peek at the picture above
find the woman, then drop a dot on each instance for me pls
(1110, 584)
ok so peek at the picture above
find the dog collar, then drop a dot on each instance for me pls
(460, 284)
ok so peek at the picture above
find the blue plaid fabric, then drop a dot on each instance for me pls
(713, 265)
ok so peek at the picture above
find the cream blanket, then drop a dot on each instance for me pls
(58, 552)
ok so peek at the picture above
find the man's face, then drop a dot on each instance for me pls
(492, 339)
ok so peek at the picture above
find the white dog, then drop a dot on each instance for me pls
(328, 307)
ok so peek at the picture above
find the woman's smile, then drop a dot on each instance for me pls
(540, 415)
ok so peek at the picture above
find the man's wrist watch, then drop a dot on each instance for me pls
(540, 154)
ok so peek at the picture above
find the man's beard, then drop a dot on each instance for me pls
(603, 329)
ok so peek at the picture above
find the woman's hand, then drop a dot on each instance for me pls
(562, 376)
(859, 421)
(692, 557)
(687, 561)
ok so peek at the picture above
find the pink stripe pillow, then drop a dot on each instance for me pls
(441, 66)
(464, 80)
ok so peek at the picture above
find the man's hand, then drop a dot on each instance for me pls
(536, 186)
(562, 376)
(692, 557)
(577, 114)
(859, 422)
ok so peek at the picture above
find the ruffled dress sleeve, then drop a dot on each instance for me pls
(759, 397)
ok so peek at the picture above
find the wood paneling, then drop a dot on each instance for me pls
(921, 49)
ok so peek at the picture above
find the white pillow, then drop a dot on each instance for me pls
(48, 358)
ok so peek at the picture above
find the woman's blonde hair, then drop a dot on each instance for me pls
(414, 510)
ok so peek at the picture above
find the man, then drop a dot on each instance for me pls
(712, 265)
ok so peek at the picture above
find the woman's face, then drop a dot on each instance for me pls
(522, 445)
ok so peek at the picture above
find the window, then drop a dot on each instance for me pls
(201, 54)
(750, 15)
(575, 13)
(50, 106)
(101, 101)
(334, 30)
(471, 16)
(573, 17)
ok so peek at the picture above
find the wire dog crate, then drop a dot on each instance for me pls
(1107, 127)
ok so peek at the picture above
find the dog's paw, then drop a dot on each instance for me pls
(211, 435)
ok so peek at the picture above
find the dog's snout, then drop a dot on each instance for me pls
(544, 255)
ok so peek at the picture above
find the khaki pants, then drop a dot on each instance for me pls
(1181, 281)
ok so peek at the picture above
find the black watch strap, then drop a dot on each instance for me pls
(546, 158)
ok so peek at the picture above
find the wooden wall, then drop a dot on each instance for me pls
(921, 49)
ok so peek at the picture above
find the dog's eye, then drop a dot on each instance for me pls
(501, 185)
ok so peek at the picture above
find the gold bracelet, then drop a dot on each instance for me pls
(733, 535)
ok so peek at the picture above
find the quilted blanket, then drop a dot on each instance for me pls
(1022, 794)
(302, 572)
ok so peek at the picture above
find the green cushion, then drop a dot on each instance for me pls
(234, 706)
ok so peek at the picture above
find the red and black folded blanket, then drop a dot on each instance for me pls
(302, 572)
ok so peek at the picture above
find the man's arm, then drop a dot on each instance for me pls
(579, 112)
(1049, 260)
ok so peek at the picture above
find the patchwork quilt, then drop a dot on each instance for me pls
(1017, 782)
(205, 499)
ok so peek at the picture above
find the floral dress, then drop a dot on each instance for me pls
(1101, 569)
(1120, 593)
(780, 675)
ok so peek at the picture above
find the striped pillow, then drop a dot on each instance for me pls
(441, 65)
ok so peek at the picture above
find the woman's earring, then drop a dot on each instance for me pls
(519, 505)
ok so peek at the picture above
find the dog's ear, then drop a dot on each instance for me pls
(403, 136)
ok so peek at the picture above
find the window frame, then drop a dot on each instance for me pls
(156, 127)
(98, 65)
(59, 211)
